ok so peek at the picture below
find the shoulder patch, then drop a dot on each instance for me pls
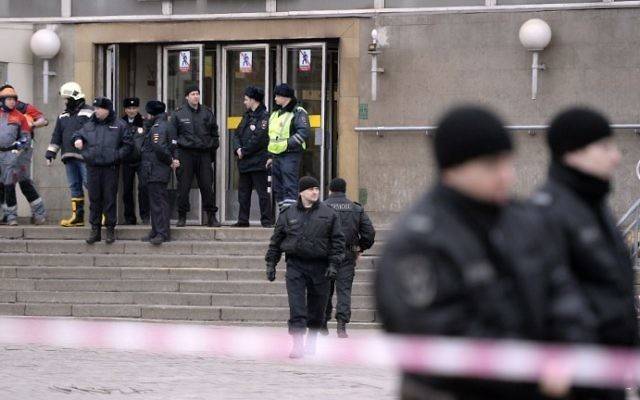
(421, 224)
(418, 280)
(542, 199)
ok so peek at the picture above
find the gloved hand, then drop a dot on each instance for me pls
(19, 144)
(332, 272)
(50, 155)
(271, 272)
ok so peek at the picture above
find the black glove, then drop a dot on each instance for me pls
(271, 272)
(50, 155)
(332, 272)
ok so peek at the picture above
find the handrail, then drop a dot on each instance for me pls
(428, 129)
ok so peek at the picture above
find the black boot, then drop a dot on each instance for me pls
(324, 329)
(212, 221)
(94, 236)
(111, 234)
(182, 220)
(342, 330)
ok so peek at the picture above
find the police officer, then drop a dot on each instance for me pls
(250, 143)
(310, 235)
(74, 117)
(14, 138)
(584, 159)
(134, 121)
(105, 142)
(156, 161)
(197, 141)
(35, 119)
(288, 133)
(466, 261)
(359, 236)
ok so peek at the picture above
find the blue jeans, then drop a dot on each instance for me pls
(76, 176)
(285, 170)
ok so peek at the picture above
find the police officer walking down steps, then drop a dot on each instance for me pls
(466, 261)
(134, 121)
(584, 159)
(288, 133)
(250, 143)
(310, 235)
(359, 236)
(156, 160)
(197, 141)
(105, 142)
(74, 117)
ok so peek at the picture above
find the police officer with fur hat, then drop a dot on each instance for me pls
(105, 142)
(130, 169)
(584, 159)
(467, 261)
(250, 141)
(310, 235)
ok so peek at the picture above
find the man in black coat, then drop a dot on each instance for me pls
(250, 143)
(104, 143)
(197, 140)
(584, 159)
(310, 235)
(359, 236)
(134, 122)
(467, 262)
(156, 161)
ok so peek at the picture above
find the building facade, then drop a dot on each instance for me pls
(434, 54)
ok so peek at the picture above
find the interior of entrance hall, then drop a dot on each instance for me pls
(223, 71)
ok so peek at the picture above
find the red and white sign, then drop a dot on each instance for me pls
(304, 60)
(246, 62)
(184, 61)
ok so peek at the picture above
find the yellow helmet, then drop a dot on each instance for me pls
(72, 90)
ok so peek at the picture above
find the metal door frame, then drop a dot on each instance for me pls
(112, 72)
(224, 137)
(323, 46)
(165, 79)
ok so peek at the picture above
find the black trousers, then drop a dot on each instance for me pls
(129, 172)
(307, 290)
(342, 285)
(248, 182)
(103, 195)
(195, 163)
(28, 190)
(160, 213)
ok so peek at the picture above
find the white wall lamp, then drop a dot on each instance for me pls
(374, 51)
(535, 35)
(45, 44)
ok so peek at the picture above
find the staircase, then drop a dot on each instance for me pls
(204, 274)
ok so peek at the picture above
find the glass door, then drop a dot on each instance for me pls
(304, 69)
(182, 67)
(243, 65)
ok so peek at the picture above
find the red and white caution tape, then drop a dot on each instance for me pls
(501, 360)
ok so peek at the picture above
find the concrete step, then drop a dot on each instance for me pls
(148, 285)
(194, 313)
(151, 272)
(155, 260)
(160, 298)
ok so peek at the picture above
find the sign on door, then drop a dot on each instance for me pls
(184, 61)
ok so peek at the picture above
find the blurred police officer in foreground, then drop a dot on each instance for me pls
(584, 159)
(130, 169)
(105, 142)
(250, 143)
(359, 236)
(466, 261)
(310, 235)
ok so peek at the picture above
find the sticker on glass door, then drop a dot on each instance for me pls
(246, 62)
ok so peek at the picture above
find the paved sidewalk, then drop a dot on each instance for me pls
(47, 373)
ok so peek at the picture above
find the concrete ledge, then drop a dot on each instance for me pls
(182, 313)
(76, 297)
(12, 309)
(48, 310)
(8, 297)
(105, 286)
(97, 311)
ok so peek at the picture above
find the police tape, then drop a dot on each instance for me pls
(444, 356)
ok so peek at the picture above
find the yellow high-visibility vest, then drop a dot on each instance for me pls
(279, 129)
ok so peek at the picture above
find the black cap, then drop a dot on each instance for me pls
(103, 102)
(131, 102)
(155, 107)
(255, 93)
(307, 182)
(338, 185)
(191, 88)
(469, 132)
(284, 90)
(576, 128)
